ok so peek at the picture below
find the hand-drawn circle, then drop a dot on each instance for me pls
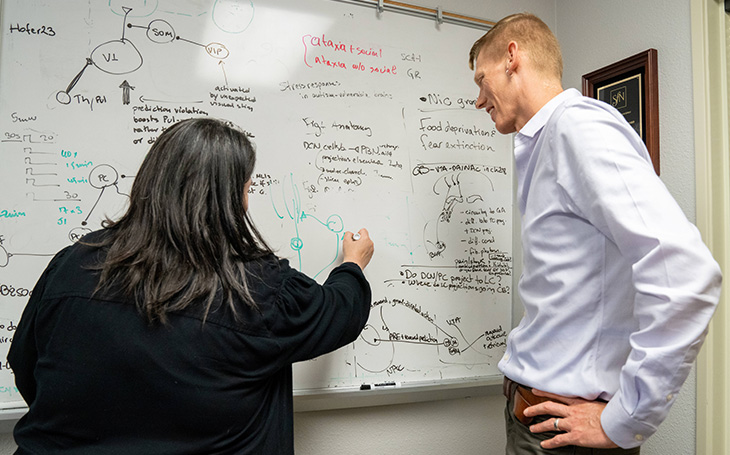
(374, 353)
(296, 243)
(370, 333)
(232, 16)
(160, 32)
(63, 97)
(217, 50)
(4, 257)
(335, 223)
(103, 176)
(75, 234)
(420, 170)
(453, 345)
(117, 57)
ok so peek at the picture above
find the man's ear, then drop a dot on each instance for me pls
(513, 57)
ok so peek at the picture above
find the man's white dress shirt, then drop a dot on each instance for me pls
(617, 285)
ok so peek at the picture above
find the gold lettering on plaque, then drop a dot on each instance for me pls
(618, 97)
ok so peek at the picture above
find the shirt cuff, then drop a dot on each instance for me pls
(623, 429)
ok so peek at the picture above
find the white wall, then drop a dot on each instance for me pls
(593, 34)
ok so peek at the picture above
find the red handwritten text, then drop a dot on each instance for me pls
(322, 44)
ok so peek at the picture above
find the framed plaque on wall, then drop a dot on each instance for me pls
(631, 86)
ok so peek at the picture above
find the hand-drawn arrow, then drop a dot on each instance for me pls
(125, 91)
(223, 67)
(126, 13)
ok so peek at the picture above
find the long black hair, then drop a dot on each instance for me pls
(186, 235)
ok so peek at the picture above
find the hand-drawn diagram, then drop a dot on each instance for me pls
(44, 176)
(457, 188)
(230, 16)
(403, 328)
(337, 147)
(384, 348)
(103, 177)
(294, 211)
(119, 57)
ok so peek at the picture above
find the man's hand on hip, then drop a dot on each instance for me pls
(578, 420)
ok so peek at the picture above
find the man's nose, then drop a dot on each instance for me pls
(481, 101)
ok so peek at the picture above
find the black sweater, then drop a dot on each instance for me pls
(99, 379)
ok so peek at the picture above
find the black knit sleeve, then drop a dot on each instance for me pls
(314, 319)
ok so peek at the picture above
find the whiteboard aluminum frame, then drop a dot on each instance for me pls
(411, 392)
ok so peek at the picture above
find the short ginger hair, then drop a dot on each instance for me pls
(531, 34)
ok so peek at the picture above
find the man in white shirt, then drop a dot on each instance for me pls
(617, 285)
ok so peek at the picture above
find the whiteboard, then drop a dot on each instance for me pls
(359, 119)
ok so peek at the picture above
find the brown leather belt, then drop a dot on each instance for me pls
(521, 398)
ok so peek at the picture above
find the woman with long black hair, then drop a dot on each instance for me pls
(173, 329)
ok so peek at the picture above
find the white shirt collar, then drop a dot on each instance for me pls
(535, 124)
